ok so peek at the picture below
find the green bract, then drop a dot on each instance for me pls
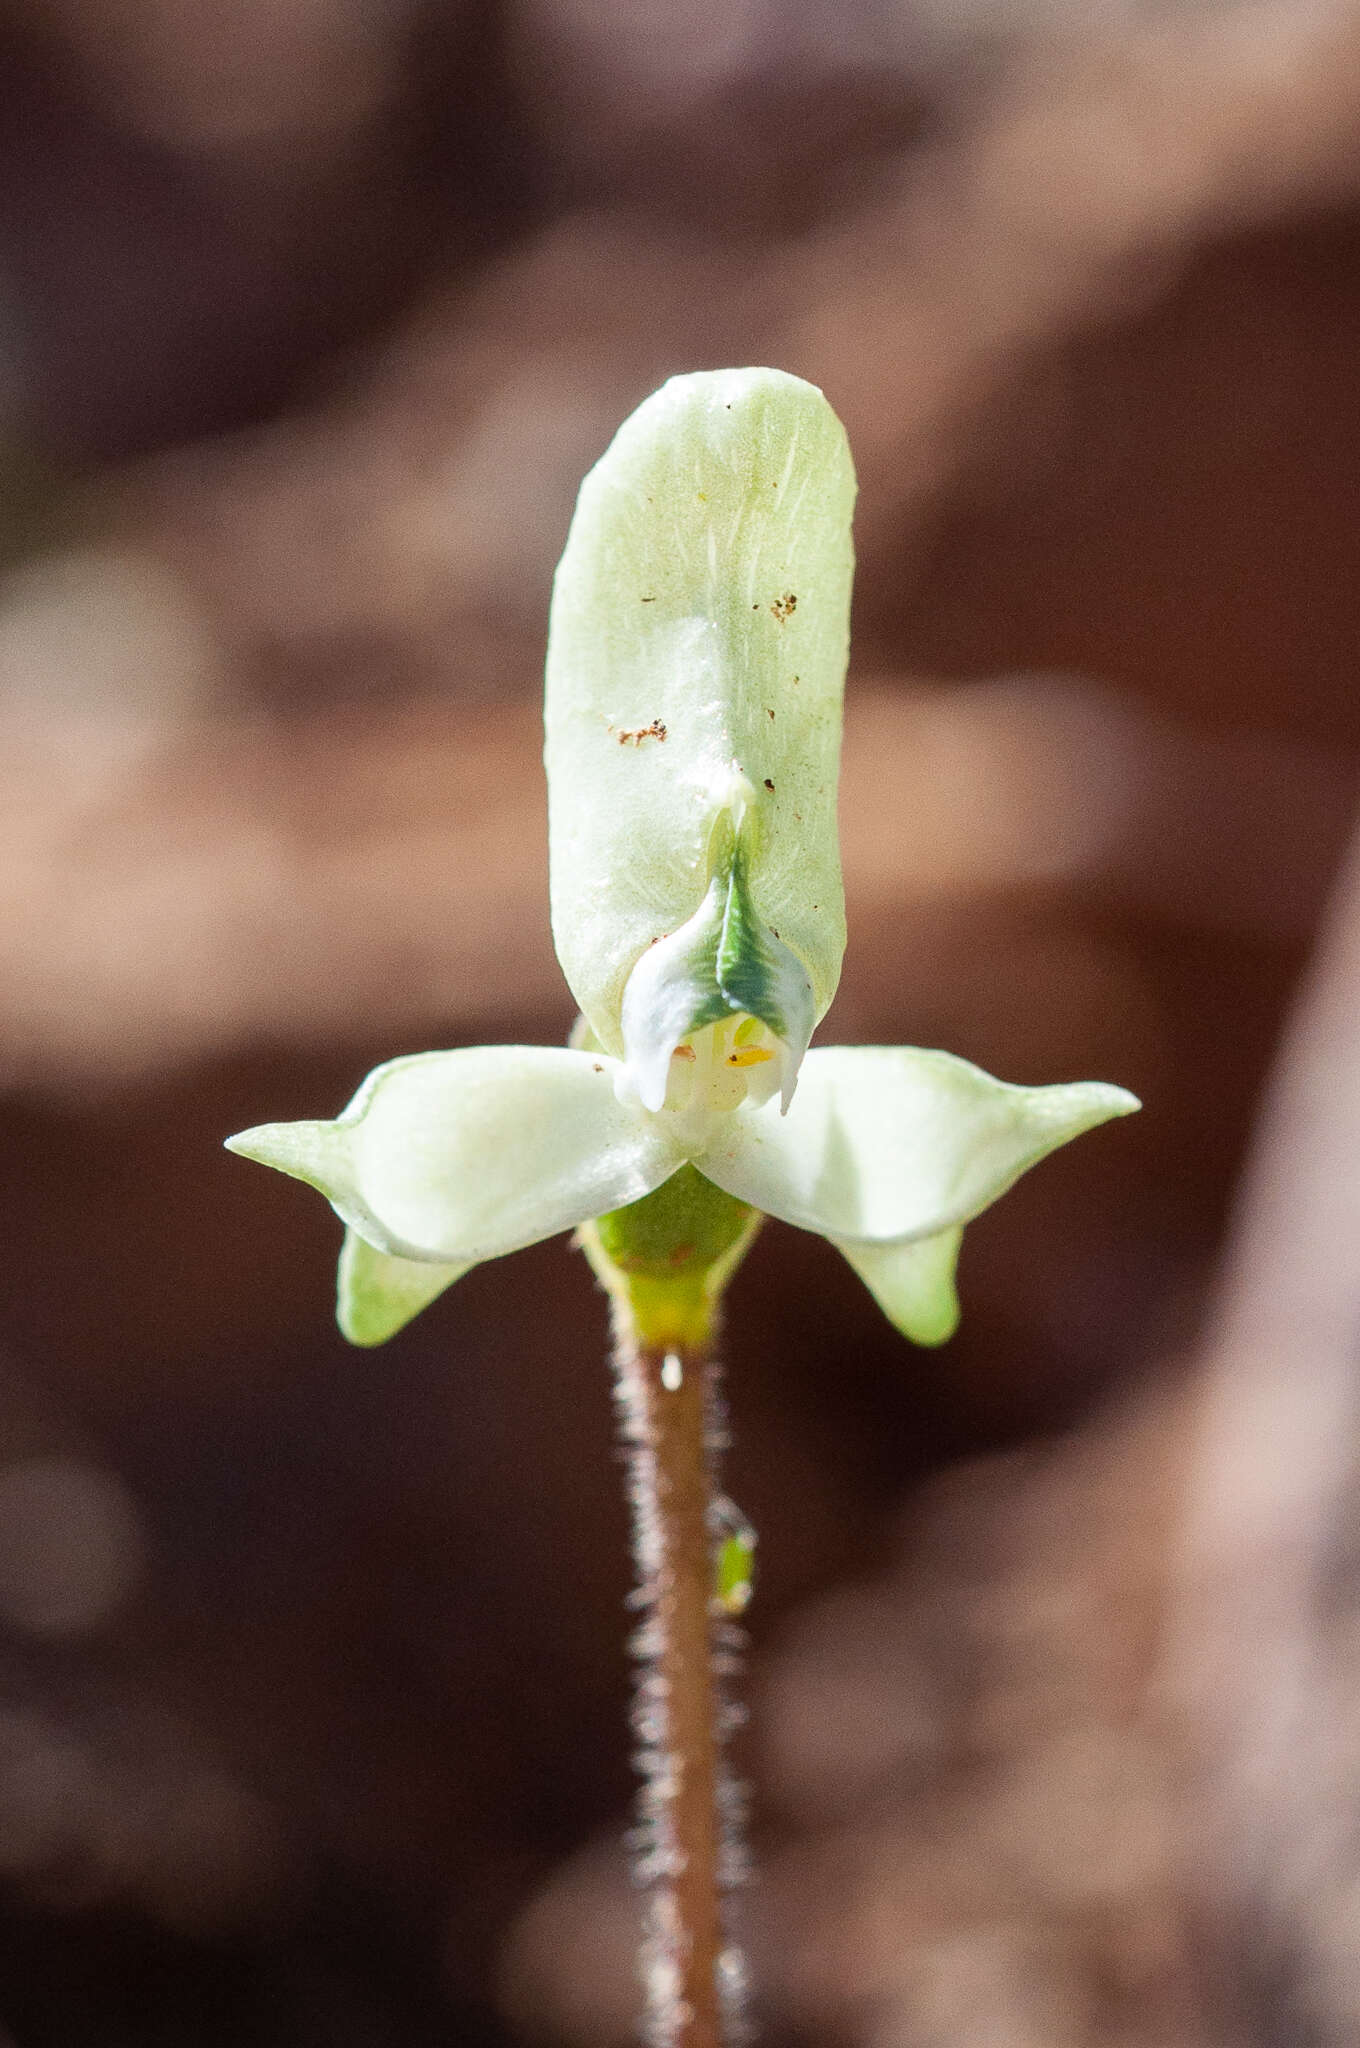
(696, 660)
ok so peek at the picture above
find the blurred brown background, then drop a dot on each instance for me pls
(312, 314)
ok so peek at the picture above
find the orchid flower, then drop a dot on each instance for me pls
(697, 652)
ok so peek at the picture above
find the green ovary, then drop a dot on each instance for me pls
(667, 1258)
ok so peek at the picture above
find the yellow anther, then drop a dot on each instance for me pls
(749, 1056)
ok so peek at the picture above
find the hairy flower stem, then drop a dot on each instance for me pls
(671, 1423)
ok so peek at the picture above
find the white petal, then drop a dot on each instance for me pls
(912, 1280)
(377, 1295)
(889, 1142)
(697, 648)
(460, 1156)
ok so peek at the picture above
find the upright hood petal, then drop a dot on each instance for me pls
(697, 647)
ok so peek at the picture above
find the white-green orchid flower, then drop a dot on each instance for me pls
(696, 661)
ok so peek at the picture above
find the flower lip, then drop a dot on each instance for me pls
(891, 1143)
(457, 1157)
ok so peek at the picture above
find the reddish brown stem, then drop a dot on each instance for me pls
(669, 1403)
